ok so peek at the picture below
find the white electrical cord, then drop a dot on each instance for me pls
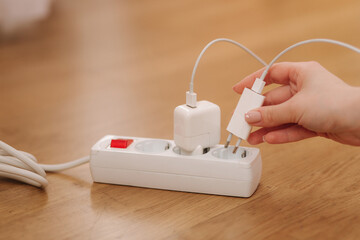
(23, 166)
(209, 45)
(324, 40)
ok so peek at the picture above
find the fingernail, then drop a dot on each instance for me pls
(253, 116)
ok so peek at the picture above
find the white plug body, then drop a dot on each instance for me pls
(199, 126)
(249, 100)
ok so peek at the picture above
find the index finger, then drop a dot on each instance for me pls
(279, 73)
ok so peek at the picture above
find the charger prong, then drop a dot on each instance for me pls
(237, 145)
(228, 140)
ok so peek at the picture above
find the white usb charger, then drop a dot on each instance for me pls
(250, 99)
(196, 128)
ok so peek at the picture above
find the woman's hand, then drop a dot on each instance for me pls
(310, 102)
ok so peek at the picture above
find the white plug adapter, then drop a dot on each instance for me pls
(197, 127)
(250, 99)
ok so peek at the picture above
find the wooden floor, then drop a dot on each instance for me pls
(121, 67)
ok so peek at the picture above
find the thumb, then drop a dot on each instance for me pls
(271, 116)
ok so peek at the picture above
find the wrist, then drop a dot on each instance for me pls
(352, 109)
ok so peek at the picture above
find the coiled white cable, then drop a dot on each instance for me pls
(23, 166)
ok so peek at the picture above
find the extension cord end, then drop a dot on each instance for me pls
(191, 99)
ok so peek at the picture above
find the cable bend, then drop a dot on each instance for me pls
(209, 45)
(23, 166)
(324, 40)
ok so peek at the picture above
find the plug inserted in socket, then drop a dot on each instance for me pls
(199, 126)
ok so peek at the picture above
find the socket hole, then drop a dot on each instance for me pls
(153, 146)
(227, 153)
(206, 150)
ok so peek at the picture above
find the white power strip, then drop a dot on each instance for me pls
(157, 163)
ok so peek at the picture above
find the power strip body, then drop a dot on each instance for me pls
(157, 163)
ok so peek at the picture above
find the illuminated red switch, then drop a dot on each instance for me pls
(120, 143)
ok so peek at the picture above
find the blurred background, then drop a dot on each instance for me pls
(70, 69)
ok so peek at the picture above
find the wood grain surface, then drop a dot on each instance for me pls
(121, 67)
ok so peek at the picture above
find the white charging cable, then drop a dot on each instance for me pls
(251, 99)
(190, 95)
(322, 40)
(23, 166)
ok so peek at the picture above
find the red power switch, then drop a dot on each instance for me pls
(120, 143)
